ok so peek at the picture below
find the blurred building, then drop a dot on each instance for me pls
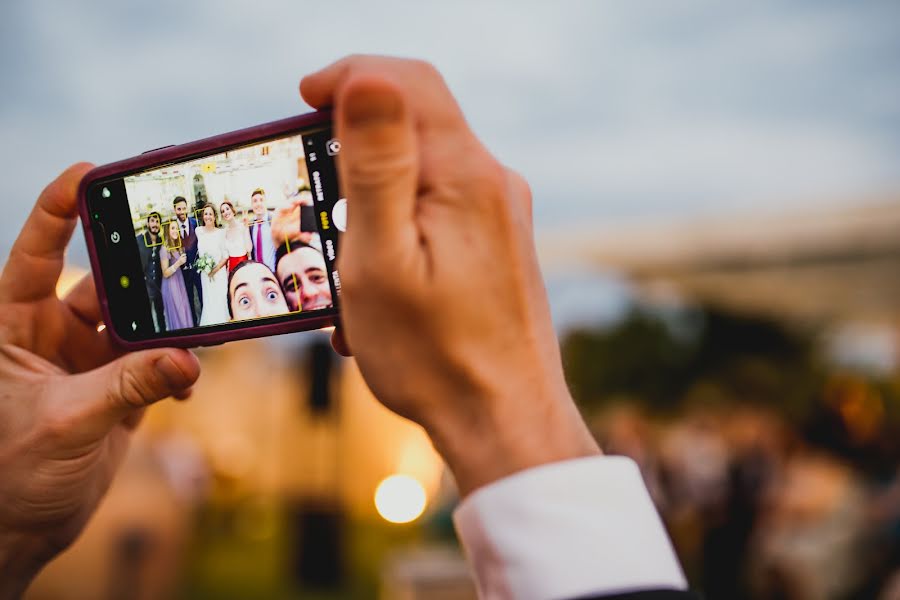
(836, 268)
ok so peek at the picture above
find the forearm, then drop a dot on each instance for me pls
(168, 269)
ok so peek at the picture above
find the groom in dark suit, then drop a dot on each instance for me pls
(188, 227)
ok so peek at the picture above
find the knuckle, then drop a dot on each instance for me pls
(491, 178)
(379, 170)
(520, 190)
(130, 391)
(518, 184)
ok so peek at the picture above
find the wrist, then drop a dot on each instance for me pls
(21, 559)
(516, 434)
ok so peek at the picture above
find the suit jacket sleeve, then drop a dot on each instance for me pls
(143, 251)
(583, 528)
(647, 595)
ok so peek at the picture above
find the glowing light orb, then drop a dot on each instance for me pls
(400, 499)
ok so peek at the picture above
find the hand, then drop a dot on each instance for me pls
(285, 223)
(181, 260)
(68, 399)
(443, 301)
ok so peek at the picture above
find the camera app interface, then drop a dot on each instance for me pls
(242, 235)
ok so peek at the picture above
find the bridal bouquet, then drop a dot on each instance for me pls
(205, 263)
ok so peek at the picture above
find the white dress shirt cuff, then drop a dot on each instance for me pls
(567, 529)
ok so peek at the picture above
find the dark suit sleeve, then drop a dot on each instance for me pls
(648, 595)
(143, 251)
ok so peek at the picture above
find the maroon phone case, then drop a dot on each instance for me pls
(170, 154)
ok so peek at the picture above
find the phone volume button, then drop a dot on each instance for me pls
(160, 148)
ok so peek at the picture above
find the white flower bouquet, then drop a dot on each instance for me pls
(205, 263)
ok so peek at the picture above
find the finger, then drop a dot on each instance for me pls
(36, 258)
(339, 343)
(379, 164)
(319, 89)
(109, 394)
(83, 302)
(424, 88)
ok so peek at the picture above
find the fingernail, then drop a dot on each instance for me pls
(369, 105)
(173, 374)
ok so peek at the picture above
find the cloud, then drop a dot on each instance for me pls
(614, 110)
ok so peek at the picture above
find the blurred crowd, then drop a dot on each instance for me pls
(757, 511)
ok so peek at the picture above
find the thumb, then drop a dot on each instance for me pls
(378, 162)
(110, 393)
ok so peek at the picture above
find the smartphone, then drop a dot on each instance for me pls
(203, 243)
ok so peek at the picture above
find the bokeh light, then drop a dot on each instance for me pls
(400, 499)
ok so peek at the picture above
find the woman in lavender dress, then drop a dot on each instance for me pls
(171, 259)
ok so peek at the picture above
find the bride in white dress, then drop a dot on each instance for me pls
(211, 241)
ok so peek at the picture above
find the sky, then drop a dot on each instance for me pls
(620, 111)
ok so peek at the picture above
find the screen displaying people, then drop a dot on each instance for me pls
(221, 238)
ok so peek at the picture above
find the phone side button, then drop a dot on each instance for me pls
(160, 148)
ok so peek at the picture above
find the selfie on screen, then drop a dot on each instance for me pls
(230, 237)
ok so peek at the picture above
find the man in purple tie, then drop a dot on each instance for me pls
(261, 230)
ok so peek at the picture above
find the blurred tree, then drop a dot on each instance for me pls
(664, 361)
(639, 357)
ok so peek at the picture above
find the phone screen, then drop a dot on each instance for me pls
(224, 240)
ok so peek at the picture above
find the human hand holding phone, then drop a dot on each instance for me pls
(443, 302)
(68, 398)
